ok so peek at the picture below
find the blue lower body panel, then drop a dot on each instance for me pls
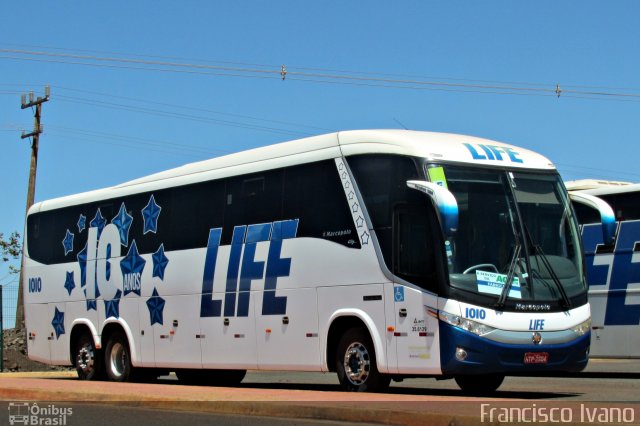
(489, 357)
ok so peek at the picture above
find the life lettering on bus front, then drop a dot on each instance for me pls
(493, 152)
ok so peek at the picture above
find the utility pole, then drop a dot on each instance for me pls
(31, 191)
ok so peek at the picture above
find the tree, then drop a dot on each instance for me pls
(10, 249)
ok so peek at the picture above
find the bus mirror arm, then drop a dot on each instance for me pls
(445, 202)
(607, 218)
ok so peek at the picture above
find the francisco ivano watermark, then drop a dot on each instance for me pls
(534, 413)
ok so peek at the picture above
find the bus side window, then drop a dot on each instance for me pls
(403, 219)
(382, 181)
(314, 195)
(195, 209)
(625, 205)
(414, 247)
(252, 199)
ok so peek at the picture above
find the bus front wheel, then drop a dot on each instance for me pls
(356, 363)
(479, 384)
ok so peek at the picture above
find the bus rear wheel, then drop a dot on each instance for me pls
(118, 358)
(356, 363)
(88, 359)
(480, 384)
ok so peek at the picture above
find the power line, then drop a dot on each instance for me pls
(324, 70)
(315, 77)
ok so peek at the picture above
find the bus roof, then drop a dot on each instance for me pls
(602, 187)
(441, 147)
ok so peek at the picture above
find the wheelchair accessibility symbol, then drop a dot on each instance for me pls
(398, 294)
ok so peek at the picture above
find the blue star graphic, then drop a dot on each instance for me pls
(82, 260)
(132, 266)
(91, 303)
(112, 307)
(160, 262)
(156, 306)
(67, 243)
(58, 323)
(98, 222)
(123, 221)
(82, 223)
(150, 214)
(69, 283)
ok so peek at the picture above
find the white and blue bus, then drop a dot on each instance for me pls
(376, 254)
(613, 271)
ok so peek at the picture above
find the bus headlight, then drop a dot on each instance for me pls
(465, 324)
(582, 328)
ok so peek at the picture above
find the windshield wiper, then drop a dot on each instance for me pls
(566, 302)
(510, 275)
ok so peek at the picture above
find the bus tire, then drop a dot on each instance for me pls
(356, 363)
(88, 360)
(480, 384)
(118, 358)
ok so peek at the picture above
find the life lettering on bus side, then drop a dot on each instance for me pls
(493, 152)
(244, 268)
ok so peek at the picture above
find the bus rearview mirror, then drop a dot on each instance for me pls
(607, 218)
(445, 202)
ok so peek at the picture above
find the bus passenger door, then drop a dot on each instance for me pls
(414, 260)
(416, 333)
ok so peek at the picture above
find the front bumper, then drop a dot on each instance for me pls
(485, 356)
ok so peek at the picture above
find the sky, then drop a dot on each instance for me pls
(140, 87)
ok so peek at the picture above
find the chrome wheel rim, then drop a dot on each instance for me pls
(86, 358)
(117, 359)
(357, 363)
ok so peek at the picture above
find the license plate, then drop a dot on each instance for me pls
(536, 358)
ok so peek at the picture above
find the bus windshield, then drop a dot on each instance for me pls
(516, 242)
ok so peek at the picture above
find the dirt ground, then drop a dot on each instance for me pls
(14, 354)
